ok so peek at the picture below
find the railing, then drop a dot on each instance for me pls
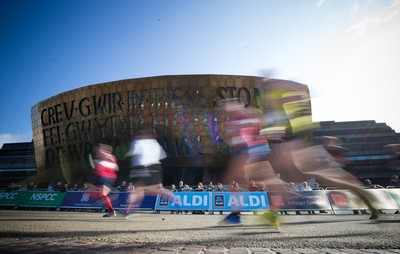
(328, 200)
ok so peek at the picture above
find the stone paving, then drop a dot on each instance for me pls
(50, 245)
(69, 232)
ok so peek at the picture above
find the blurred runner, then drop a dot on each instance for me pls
(294, 155)
(105, 168)
(250, 149)
(146, 169)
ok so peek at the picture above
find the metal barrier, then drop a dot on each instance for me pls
(329, 200)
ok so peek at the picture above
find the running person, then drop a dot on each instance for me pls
(295, 155)
(105, 168)
(146, 169)
(251, 150)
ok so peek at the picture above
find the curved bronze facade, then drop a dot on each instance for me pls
(180, 109)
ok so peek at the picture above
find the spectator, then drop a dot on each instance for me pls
(180, 186)
(237, 187)
(74, 187)
(58, 186)
(307, 187)
(199, 186)
(220, 187)
(30, 186)
(50, 187)
(253, 186)
(369, 185)
(262, 187)
(210, 186)
(174, 189)
(64, 188)
(317, 187)
(187, 188)
(130, 187)
(291, 186)
(122, 187)
(395, 182)
(232, 185)
(84, 187)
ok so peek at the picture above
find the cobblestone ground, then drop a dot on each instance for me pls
(49, 245)
(87, 232)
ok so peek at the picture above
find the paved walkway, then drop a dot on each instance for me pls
(50, 245)
(31, 232)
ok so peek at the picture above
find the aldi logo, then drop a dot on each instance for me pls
(162, 201)
(219, 200)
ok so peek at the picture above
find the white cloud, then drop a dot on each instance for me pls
(358, 78)
(355, 8)
(375, 19)
(11, 138)
(320, 3)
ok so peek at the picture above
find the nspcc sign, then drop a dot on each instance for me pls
(8, 197)
(40, 198)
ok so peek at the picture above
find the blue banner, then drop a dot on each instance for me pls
(214, 201)
(80, 199)
(185, 201)
(120, 201)
(91, 199)
(243, 201)
(300, 200)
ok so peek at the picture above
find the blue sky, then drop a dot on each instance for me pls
(346, 51)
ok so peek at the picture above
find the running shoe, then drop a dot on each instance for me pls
(272, 218)
(110, 214)
(233, 218)
(374, 214)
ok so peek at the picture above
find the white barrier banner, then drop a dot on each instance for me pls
(347, 200)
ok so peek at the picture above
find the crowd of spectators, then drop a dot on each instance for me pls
(181, 186)
(210, 187)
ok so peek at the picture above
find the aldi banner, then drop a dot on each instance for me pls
(243, 201)
(185, 201)
(9, 198)
(300, 200)
(216, 201)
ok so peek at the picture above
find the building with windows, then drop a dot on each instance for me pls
(17, 164)
(181, 110)
(183, 113)
(366, 140)
(368, 158)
